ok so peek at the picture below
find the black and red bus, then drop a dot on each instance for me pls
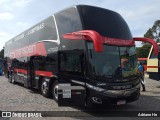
(83, 55)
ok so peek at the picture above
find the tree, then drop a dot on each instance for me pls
(149, 34)
(2, 53)
(142, 52)
(156, 31)
(153, 33)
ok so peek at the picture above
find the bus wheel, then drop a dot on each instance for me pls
(45, 88)
(55, 91)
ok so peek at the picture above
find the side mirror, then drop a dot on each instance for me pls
(97, 39)
(87, 35)
(155, 45)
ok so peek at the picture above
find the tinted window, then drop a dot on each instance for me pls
(70, 63)
(39, 63)
(44, 30)
(113, 61)
(106, 22)
(103, 63)
(69, 21)
(50, 63)
(128, 58)
(47, 31)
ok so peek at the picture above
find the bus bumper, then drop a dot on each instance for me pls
(113, 97)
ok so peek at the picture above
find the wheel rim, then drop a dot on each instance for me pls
(56, 92)
(44, 87)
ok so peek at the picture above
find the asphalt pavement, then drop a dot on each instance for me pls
(15, 97)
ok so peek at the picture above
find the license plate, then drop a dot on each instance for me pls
(66, 93)
(121, 102)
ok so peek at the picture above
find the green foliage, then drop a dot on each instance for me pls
(142, 52)
(153, 33)
(149, 34)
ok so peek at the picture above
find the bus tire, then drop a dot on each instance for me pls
(45, 90)
(55, 91)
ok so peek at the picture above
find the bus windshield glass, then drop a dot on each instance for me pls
(114, 61)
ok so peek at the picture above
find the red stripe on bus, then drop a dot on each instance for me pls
(21, 71)
(43, 73)
(142, 59)
(155, 45)
(152, 66)
(30, 50)
(98, 40)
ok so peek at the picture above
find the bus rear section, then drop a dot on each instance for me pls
(83, 55)
(153, 65)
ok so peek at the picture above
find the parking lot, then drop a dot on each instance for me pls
(17, 98)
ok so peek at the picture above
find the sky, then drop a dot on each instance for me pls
(18, 15)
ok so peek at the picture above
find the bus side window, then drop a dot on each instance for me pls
(71, 63)
(39, 63)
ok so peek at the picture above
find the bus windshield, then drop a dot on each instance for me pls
(114, 61)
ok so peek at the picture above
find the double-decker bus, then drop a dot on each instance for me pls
(83, 55)
(153, 64)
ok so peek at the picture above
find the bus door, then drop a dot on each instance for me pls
(71, 89)
(32, 72)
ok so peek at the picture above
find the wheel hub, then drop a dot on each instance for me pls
(44, 87)
(56, 91)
